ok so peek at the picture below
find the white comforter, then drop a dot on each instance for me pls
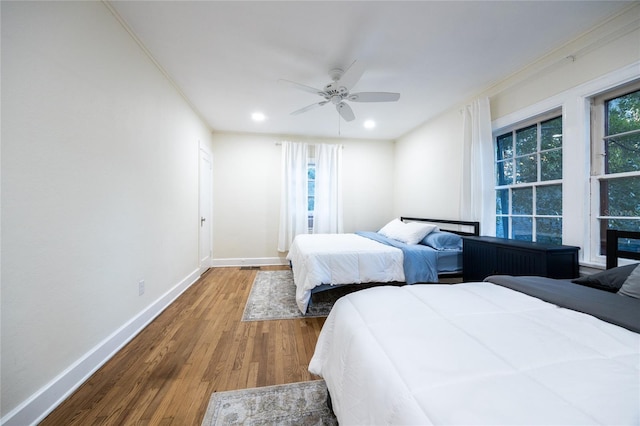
(474, 353)
(341, 259)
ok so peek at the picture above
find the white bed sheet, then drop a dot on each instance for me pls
(341, 259)
(474, 353)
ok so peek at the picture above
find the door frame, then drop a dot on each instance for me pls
(204, 152)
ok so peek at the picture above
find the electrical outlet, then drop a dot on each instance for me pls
(140, 287)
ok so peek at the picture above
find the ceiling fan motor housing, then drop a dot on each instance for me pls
(336, 73)
(337, 92)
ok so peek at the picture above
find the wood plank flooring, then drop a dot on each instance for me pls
(197, 346)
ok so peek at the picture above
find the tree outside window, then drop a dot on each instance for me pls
(619, 177)
(529, 182)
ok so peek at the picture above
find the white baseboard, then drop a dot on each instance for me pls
(254, 261)
(43, 402)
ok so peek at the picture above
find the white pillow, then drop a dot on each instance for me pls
(392, 228)
(408, 233)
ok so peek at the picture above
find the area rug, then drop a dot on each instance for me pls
(303, 403)
(273, 296)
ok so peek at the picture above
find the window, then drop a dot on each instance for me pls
(616, 161)
(529, 182)
(311, 191)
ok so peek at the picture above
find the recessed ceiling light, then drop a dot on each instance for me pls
(258, 116)
(369, 124)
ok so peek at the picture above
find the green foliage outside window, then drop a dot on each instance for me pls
(620, 196)
(522, 201)
(525, 158)
(623, 113)
(549, 200)
(623, 148)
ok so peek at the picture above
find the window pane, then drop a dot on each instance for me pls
(622, 225)
(551, 133)
(526, 169)
(549, 230)
(629, 244)
(522, 228)
(502, 227)
(502, 201)
(537, 158)
(620, 197)
(311, 172)
(549, 200)
(623, 154)
(527, 140)
(623, 113)
(504, 145)
(551, 165)
(311, 201)
(522, 200)
(504, 172)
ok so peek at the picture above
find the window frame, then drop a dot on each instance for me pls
(311, 164)
(597, 172)
(575, 103)
(536, 121)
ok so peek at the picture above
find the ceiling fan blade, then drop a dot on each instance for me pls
(309, 107)
(302, 87)
(345, 111)
(374, 97)
(352, 75)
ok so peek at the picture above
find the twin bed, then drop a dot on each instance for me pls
(406, 250)
(510, 350)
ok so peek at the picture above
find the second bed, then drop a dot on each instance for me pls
(323, 261)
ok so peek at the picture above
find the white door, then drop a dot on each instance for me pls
(206, 195)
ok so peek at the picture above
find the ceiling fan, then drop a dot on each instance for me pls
(338, 92)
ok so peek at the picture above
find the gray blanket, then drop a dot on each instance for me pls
(610, 307)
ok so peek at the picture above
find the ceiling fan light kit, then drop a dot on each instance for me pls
(338, 91)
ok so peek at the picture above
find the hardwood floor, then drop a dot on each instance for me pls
(197, 346)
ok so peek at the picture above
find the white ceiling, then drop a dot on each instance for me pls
(227, 56)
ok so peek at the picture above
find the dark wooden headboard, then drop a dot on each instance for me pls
(614, 252)
(460, 227)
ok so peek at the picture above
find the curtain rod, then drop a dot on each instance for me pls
(341, 145)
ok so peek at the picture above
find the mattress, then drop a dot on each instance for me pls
(449, 261)
(341, 259)
(474, 353)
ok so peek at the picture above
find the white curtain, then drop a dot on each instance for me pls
(293, 193)
(327, 215)
(477, 200)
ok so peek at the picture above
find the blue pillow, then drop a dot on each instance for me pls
(443, 240)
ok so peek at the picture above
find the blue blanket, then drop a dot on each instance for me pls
(420, 262)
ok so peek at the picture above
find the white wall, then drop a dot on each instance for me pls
(609, 47)
(99, 184)
(429, 159)
(247, 192)
(99, 191)
(428, 169)
(602, 59)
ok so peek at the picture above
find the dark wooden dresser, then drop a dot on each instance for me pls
(484, 256)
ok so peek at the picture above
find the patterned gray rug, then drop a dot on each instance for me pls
(273, 296)
(303, 403)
